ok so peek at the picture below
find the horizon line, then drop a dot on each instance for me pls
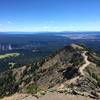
(42, 31)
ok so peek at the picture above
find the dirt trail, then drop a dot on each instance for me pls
(48, 96)
(81, 69)
(59, 96)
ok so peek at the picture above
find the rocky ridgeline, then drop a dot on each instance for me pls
(59, 72)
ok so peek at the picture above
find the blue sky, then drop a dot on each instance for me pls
(49, 15)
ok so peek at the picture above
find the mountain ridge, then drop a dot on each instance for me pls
(55, 73)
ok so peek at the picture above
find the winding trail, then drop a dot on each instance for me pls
(81, 69)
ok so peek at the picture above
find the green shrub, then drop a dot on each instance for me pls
(32, 89)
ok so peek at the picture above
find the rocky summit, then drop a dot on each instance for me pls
(73, 70)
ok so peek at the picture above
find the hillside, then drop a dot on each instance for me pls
(74, 69)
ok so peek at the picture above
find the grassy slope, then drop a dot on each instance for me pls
(9, 55)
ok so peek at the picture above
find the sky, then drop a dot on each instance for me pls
(49, 15)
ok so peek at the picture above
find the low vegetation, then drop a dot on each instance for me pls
(8, 84)
(33, 89)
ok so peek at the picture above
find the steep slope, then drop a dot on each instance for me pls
(66, 71)
(63, 66)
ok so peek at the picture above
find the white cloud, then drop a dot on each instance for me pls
(9, 22)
